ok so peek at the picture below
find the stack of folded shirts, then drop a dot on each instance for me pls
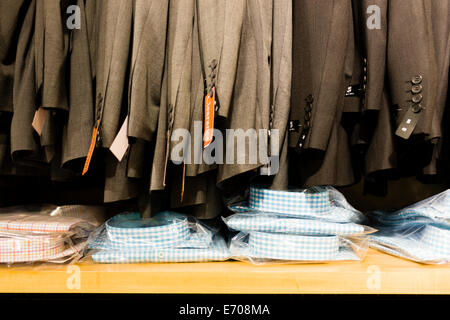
(167, 237)
(312, 225)
(38, 237)
(420, 232)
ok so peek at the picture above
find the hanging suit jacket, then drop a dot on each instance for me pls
(440, 13)
(374, 128)
(380, 154)
(11, 16)
(25, 145)
(175, 93)
(77, 130)
(113, 58)
(322, 38)
(281, 85)
(251, 94)
(319, 53)
(144, 95)
(412, 70)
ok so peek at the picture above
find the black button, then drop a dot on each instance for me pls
(416, 108)
(417, 98)
(417, 88)
(417, 79)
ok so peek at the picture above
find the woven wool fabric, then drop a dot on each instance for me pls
(430, 244)
(218, 251)
(279, 224)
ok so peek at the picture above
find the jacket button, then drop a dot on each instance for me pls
(416, 108)
(417, 79)
(417, 88)
(417, 98)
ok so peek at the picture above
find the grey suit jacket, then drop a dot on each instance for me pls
(252, 92)
(11, 17)
(77, 130)
(24, 141)
(323, 53)
(176, 88)
(281, 88)
(320, 44)
(412, 68)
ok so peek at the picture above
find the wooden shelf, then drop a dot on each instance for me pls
(378, 274)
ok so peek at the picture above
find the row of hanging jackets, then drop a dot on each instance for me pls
(355, 89)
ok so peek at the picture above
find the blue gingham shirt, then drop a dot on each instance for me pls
(168, 237)
(426, 244)
(261, 247)
(262, 222)
(296, 225)
(420, 232)
(321, 203)
(218, 251)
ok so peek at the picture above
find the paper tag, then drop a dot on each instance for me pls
(39, 120)
(120, 144)
(91, 147)
(209, 118)
(409, 122)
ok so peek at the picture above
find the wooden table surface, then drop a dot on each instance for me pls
(377, 274)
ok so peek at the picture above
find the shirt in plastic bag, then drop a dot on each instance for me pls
(167, 237)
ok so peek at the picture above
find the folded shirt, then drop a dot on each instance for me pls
(167, 237)
(261, 246)
(426, 244)
(39, 237)
(431, 210)
(217, 251)
(262, 222)
(321, 203)
(297, 225)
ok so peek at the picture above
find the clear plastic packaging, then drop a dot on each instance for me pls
(427, 243)
(275, 223)
(319, 203)
(30, 234)
(166, 237)
(297, 226)
(264, 248)
(431, 210)
(420, 232)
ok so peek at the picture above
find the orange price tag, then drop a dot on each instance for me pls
(209, 118)
(91, 147)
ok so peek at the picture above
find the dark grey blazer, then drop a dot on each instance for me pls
(412, 69)
(251, 93)
(320, 42)
(77, 130)
(323, 56)
(24, 142)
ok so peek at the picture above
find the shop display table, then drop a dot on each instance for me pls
(378, 274)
